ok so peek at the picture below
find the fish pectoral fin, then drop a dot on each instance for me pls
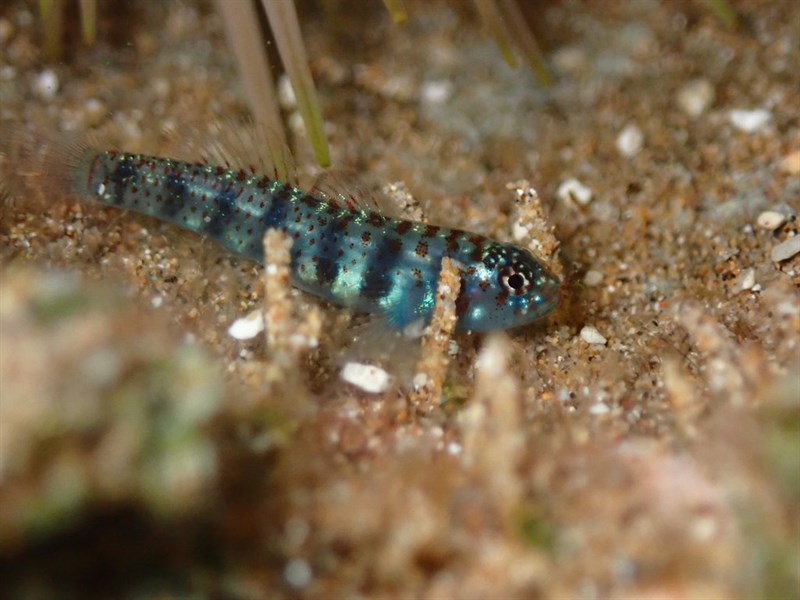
(376, 341)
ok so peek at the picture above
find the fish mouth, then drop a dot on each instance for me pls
(555, 291)
(546, 299)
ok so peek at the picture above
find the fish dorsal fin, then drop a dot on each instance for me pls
(190, 143)
(253, 146)
(347, 188)
(250, 146)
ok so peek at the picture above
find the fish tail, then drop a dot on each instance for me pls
(44, 164)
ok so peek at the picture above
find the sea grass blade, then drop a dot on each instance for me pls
(285, 27)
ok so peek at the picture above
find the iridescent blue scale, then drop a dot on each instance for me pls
(352, 257)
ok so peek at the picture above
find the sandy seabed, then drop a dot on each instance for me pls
(641, 442)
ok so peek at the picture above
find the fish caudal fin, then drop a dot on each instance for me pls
(40, 163)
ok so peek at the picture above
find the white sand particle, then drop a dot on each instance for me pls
(572, 190)
(770, 220)
(695, 97)
(630, 140)
(591, 335)
(749, 121)
(247, 327)
(592, 278)
(747, 279)
(369, 378)
(786, 250)
(46, 84)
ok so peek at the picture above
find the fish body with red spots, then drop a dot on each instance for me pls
(346, 254)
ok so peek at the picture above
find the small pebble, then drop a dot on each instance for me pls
(790, 164)
(695, 97)
(95, 111)
(630, 140)
(46, 84)
(747, 279)
(454, 449)
(452, 348)
(161, 87)
(573, 190)
(704, 528)
(749, 121)
(770, 220)
(369, 378)
(571, 60)
(436, 92)
(297, 573)
(247, 327)
(286, 96)
(592, 278)
(519, 231)
(786, 250)
(591, 335)
(296, 123)
(419, 381)
(599, 409)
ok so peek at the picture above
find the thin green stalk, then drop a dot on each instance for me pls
(282, 17)
(245, 37)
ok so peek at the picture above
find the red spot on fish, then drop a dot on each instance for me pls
(462, 301)
(431, 230)
(452, 240)
(394, 245)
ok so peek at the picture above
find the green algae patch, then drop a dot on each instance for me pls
(538, 532)
(99, 405)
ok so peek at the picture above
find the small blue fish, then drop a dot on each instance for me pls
(346, 254)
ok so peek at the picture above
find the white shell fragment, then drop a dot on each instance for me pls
(630, 141)
(369, 378)
(592, 278)
(695, 97)
(599, 409)
(247, 327)
(436, 92)
(747, 279)
(297, 573)
(572, 190)
(770, 220)
(46, 84)
(286, 95)
(749, 121)
(591, 335)
(786, 250)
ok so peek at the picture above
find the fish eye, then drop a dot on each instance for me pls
(514, 280)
